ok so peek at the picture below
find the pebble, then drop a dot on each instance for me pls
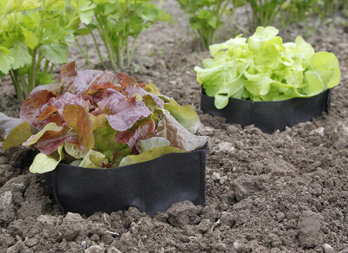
(327, 248)
(95, 249)
(225, 147)
(216, 176)
(84, 244)
(320, 131)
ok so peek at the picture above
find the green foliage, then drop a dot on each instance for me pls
(35, 35)
(264, 11)
(297, 10)
(120, 22)
(206, 16)
(265, 68)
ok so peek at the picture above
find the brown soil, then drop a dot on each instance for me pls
(284, 192)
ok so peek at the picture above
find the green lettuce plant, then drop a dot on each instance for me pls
(90, 120)
(35, 35)
(119, 24)
(205, 16)
(263, 68)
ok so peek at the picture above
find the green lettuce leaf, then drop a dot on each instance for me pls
(92, 159)
(149, 155)
(152, 143)
(13, 131)
(36, 137)
(185, 115)
(45, 163)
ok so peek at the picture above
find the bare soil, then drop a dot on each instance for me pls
(284, 192)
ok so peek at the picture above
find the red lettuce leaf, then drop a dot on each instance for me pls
(32, 105)
(125, 80)
(78, 119)
(49, 143)
(132, 90)
(78, 81)
(51, 140)
(68, 73)
(133, 136)
(67, 99)
(122, 112)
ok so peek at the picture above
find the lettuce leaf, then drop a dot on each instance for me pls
(185, 115)
(78, 119)
(152, 143)
(123, 112)
(177, 135)
(45, 163)
(92, 159)
(149, 155)
(13, 131)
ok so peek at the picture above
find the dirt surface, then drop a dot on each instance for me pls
(285, 192)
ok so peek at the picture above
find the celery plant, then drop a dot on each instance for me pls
(34, 35)
(120, 22)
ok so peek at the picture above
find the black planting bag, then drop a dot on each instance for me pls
(269, 116)
(151, 186)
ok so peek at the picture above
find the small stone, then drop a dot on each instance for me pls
(238, 247)
(31, 242)
(95, 249)
(309, 226)
(327, 248)
(318, 131)
(216, 176)
(46, 219)
(225, 147)
(84, 244)
(7, 210)
(5, 199)
(223, 179)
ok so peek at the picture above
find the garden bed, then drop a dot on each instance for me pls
(281, 192)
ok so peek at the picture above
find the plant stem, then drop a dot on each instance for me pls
(82, 51)
(16, 85)
(32, 72)
(132, 50)
(98, 50)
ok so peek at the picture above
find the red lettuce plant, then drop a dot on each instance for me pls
(97, 119)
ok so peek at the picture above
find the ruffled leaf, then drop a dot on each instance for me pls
(152, 143)
(177, 135)
(32, 105)
(78, 119)
(92, 159)
(74, 150)
(105, 142)
(48, 129)
(13, 131)
(185, 115)
(149, 155)
(133, 136)
(45, 163)
(122, 113)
